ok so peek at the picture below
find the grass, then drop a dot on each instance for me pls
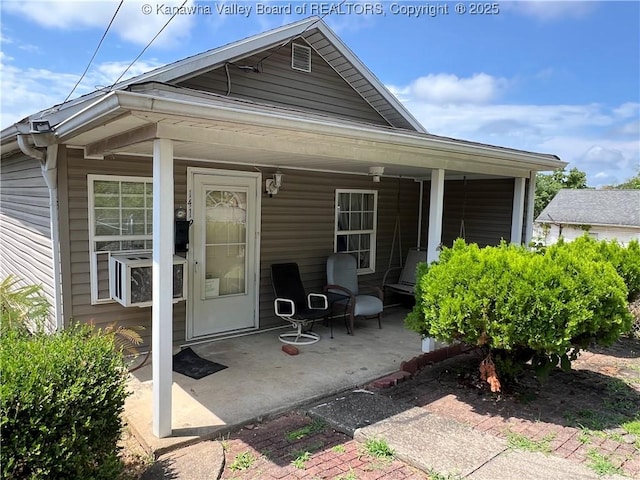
(243, 461)
(601, 464)
(632, 427)
(301, 459)
(433, 475)
(314, 427)
(522, 442)
(379, 448)
(588, 419)
(347, 476)
(338, 449)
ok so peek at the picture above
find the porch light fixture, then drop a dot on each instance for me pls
(273, 184)
(376, 173)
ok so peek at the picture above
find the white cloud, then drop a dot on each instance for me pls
(604, 156)
(628, 110)
(588, 136)
(445, 89)
(632, 128)
(131, 24)
(33, 89)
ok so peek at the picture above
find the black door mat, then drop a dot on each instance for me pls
(188, 363)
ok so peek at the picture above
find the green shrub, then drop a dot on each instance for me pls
(522, 305)
(626, 260)
(60, 405)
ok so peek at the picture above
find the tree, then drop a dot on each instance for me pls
(548, 185)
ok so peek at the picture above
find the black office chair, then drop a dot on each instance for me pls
(294, 305)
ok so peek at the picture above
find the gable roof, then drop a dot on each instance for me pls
(593, 207)
(313, 30)
(125, 118)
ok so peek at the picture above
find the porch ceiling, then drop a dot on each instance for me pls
(221, 130)
(242, 144)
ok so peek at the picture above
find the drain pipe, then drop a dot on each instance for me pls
(49, 166)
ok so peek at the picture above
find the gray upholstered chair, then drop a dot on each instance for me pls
(342, 285)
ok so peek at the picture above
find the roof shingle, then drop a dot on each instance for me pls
(593, 207)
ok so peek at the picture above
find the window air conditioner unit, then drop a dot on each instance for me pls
(130, 278)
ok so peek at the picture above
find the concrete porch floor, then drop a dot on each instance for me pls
(261, 380)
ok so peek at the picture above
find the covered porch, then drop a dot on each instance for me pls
(261, 380)
(162, 126)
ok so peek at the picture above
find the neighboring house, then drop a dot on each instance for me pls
(104, 173)
(602, 214)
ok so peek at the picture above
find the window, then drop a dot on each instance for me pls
(356, 217)
(120, 219)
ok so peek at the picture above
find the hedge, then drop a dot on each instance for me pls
(544, 306)
(61, 400)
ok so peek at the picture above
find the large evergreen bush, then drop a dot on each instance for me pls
(60, 403)
(626, 260)
(522, 305)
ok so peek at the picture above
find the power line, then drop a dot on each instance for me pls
(94, 53)
(149, 44)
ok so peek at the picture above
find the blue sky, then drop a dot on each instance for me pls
(552, 77)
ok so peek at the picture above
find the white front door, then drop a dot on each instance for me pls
(224, 252)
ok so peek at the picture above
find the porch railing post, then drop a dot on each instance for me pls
(436, 207)
(162, 305)
(531, 196)
(517, 212)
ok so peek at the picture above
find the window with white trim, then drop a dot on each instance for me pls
(120, 220)
(355, 226)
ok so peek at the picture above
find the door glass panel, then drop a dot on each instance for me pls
(225, 243)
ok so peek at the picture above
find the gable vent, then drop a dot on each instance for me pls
(300, 57)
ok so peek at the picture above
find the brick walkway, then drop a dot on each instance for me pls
(332, 455)
(578, 415)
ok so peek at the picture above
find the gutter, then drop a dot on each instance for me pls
(49, 167)
(119, 102)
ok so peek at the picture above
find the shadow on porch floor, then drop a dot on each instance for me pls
(262, 380)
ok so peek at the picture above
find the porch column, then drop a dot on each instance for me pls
(162, 308)
(531, 197)
(436, 207)
(517, 212)
(419, 241)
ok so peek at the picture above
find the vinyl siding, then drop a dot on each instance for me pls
(321, 91)
(624, 235)
(76, 256)
(484, 205)
(25, 226)
(297, 225)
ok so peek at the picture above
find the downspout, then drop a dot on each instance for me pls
(49, 166)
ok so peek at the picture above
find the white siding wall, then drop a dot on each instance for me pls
(570, 232)
(25, 228)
